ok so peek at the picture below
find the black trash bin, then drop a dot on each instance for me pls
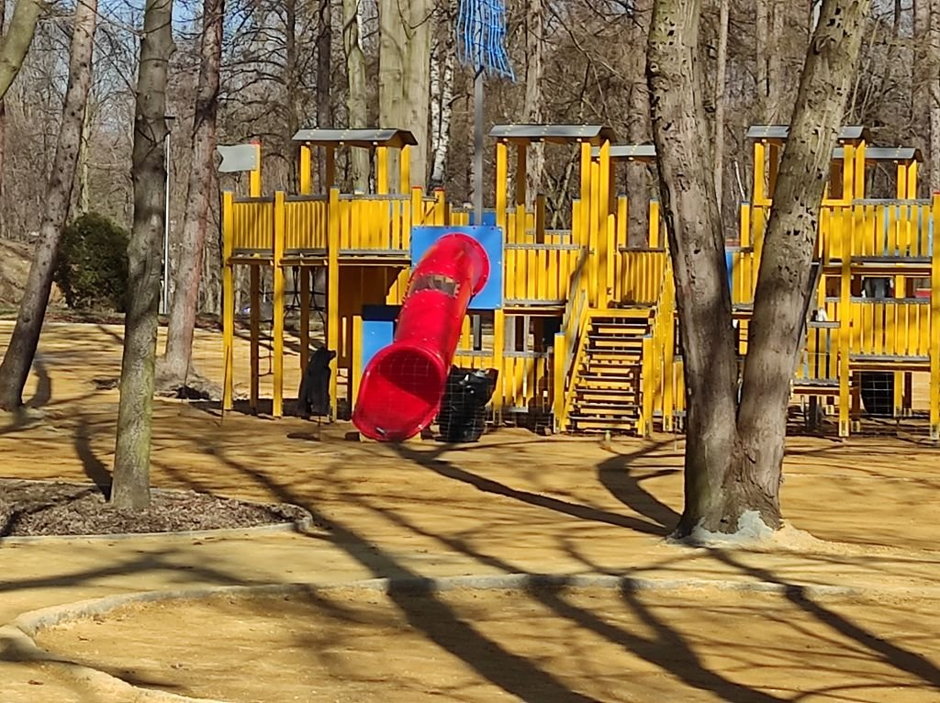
(463, 408)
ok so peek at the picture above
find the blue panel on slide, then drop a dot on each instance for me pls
(491, 238)
(378, 329)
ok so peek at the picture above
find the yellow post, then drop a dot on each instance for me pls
(912, 180)
(935, 326)
(858, 180)
(304, 317)
(330, 169)
(760, 168)
(304, 170)
(228, 301)
(332, 295)
(254, 316)
(845, 331)
(623, 222)
(254, 179)
(594, 234)
(356, 357)
(559, 359)
(502, 186)
(604, 275)
(521, 176)
(381, 170)
(852, 186)
(280, 224)
(499, 339)
(404, 160)
(440, 206)
(653, 235)
(586, 208)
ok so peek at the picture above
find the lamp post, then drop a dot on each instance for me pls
(165, 289)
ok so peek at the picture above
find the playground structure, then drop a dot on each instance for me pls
(580, 326)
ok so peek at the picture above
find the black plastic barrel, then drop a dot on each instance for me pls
(463, 409)
(878, 393)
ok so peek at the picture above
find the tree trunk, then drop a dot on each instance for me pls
(16, 41)
(442, 98)
(356, 101)
(324, 74)
(696, 243)
(933, 90)
(532, 107)
(18, 359)
(733, 468)
(922, 80)
(762, 31)
(786, 263)
(135, 412)
(3, 131)
(720, 81)
(182, 321)
(637, 174)
(404, 68)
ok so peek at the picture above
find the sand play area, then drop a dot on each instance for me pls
(844, 608)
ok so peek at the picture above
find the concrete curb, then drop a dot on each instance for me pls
(17, 637)
(303, 526)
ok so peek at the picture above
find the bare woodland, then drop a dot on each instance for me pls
(689, 75)
(576, 61)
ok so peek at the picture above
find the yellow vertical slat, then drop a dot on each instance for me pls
(228, 300)
(332, 317)
(381, 170)
(277, 409)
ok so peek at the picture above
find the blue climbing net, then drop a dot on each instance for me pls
(481, 36)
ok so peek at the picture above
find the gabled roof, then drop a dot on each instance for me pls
(781, 132)
(554, 133)
(629, 152)
(365, 138)
(882, 153)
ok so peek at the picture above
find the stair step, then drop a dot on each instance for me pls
(599, 411)
(609, 378)
(607, 356)
(587, 424)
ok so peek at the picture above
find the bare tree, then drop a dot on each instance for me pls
(404, 67)
(18, 359)
(175, 370)
(734, 454)
(534, 75)
(15, 43)
(131, 487)
(356, 101)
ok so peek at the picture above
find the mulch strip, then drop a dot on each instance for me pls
(45, 508)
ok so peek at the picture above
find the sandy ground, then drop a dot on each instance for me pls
(512, 503)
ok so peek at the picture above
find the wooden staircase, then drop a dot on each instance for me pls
(607, 392)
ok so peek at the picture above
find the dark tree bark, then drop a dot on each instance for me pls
(131, 487)
(175, 369)
(786, 262)
(734, 457)
(18, 359)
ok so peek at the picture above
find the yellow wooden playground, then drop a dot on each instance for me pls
(586, 337)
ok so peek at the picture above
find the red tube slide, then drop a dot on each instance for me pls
(403, 384)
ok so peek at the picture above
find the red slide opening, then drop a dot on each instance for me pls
(403, 384)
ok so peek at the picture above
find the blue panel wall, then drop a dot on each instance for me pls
(378, 329)
(491, 238)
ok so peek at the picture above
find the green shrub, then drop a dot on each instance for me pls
(91, 269)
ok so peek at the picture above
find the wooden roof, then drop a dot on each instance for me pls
(552, 133)
(364, 138)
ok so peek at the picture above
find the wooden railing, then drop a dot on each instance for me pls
(818, 362)
(539, 273)
(638, 275)
(253, 225)
(657, 375)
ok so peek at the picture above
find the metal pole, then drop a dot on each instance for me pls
(165, 298)
(478, 148)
